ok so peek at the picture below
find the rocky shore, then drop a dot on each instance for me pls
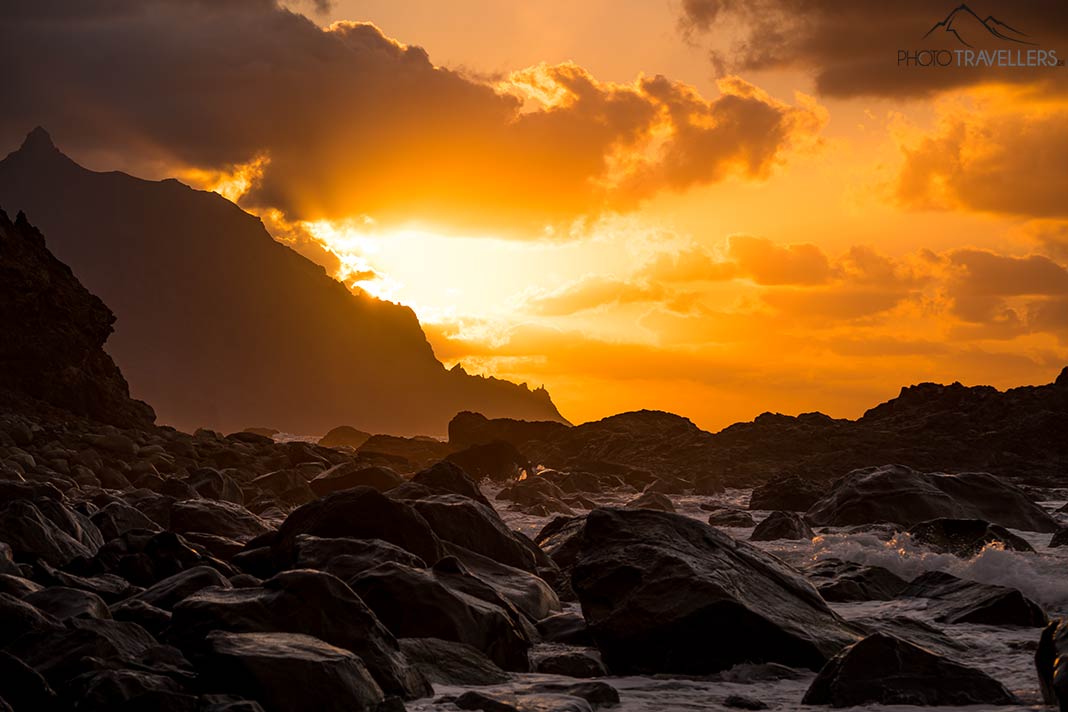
(145, 568)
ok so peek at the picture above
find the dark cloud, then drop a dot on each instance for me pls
(353, 122)
(851, 47)
(996, 162)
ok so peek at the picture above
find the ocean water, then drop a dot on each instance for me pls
(1007, 654)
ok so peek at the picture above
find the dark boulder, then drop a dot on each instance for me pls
(42, 529)
(467, 428)
(498, 461)
(173, 589)
(882, 669)
(965, 537)
(416, 603)
(1059, 538)
(18, 618)
(345, 558)
(117, 518)
(23, 687)
(787, 494)
(894, 493)
(216, 517)
(653, 501)
(64, 603)
(529, 593)
(572, 663)
(720, 516)
(844, 581)
(344, 436)
(359, 513)
(447, 662)
(213, 484)
(568, 628)
(474, 526)
(154, 620)
(308, 602)
(956, 600)
(664, 593)
(355, 474)
(288, 672)
(1051, 663)
(782, 525)
(450, 477)
(287, 486)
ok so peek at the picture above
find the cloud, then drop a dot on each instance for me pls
(770, 264)
(351, 122)
(590, 292)
(990, 160)
(851, 47)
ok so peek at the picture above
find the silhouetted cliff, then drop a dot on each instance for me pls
(219, 325)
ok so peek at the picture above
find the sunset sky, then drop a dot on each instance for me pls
(712, 207)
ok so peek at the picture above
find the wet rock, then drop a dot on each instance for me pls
(1051, 663)
(31, 532)
(124, 689)
(63, 603)
(18, 618)
(108, 586)
(360, 513)
(668, 485)
(729, 517)
(568, 628)
(474, 526)
(511, 702)
(213, 484)
(289, 486)
(168, 592)
(287, 672)
(23, 687)
(117, 518)
(664, 593)
(344, 436)
(498, 461)
(450, 477)
(355, 474)
(740, 702)
(882, 669)
(787, 494)
(598, 694)
(308, 602)
(965, 537)
(653, 501)
(415, 603)
(220, 547)
(446, 662)
(956, 600)
(17, 586)
(530, 594)
(845, 581)
(782, 525)
(346, 557)
(154, 620)
(581, 664)
(917, 632)
(61, 654)
(216, 517)
(894, 493)
(1060, 538)
(144, 558)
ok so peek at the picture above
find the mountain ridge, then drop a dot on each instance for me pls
(220, 325)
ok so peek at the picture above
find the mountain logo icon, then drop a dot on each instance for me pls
(964, 24)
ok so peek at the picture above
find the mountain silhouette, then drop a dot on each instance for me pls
(219, 325)
(964, 24)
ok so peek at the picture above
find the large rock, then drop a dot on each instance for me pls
(845, 581)
(308, 602)
(499, 461)
(446, 662)
(450, 477)
(1051, 663)
(27, 527)
(19, 617)
(955, 600)
(885, 670)
(344, 436)
(467, 428)
(529, 593)
(782, 525)
(216, 517)
(898, 494)
(354, 474)
(664, 593)
(787, 494)
(64, 603)
(965, 537)
(345, 558)
(54, 331)
(474, 526)
(360, 513)
(414, 603)
(288, 672)
(173, 589)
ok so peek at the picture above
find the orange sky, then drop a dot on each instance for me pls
(637, 205)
